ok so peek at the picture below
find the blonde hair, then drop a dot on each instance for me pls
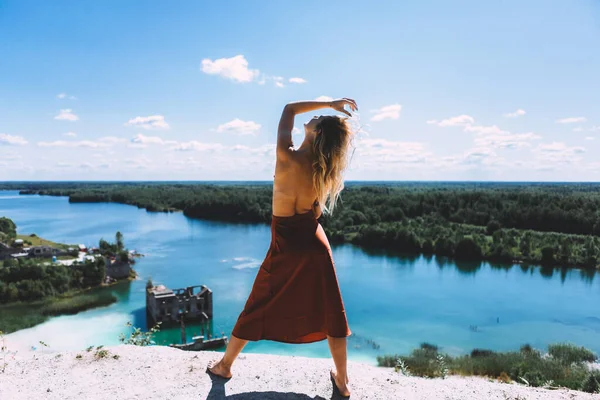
(331, 148)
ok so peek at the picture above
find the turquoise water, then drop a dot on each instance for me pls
(394, 302)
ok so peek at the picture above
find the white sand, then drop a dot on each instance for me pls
(166, 373)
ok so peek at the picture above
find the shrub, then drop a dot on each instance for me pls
(387, 361)
(569, 354)
(504, 378)
(139, 338)
(481, 353)
(528, 350)
(591, 384)
(526, 366)
(426, 362)
(429, 346)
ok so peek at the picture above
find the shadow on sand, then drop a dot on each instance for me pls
(217, 392)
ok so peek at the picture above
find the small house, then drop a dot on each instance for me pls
(18, 243)
(82, 248)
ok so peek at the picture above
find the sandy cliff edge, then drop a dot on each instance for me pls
(165, 373)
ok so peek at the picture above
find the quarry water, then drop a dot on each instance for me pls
(393, 303)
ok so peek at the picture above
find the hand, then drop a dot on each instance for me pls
(338, 105)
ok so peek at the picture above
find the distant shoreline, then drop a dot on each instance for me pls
(535, 224)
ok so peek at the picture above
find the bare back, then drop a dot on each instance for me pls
(293, 191)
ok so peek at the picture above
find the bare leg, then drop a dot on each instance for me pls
(223, 367)
(337, 346)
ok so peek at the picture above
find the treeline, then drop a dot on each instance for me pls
(29, 279)
(473, 243)
(250, 204)
(538, 223)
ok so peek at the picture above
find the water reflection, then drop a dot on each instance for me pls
(473, 267)
(468, 267)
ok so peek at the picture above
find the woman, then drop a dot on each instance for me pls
(296, 297)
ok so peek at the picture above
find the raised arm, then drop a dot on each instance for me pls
(286, 123)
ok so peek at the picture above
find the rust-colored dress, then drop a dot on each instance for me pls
(296, 297)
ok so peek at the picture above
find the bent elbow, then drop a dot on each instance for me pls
(288, 109)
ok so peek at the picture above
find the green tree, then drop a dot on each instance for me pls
(119, 242)
(548, 256)
(8, 227)
(467, 249)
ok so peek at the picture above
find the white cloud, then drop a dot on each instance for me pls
(234, 68)
(278, 81)
(10, 140)
(63, 143)
(265, 149)
(485, 130)
(478, 156)
(506, 140)
(560, 147)
(518, 113)
(150, 122)
(324, 98)
(112, 140)
(143, 140)
(70, 134)
(549, 156)
(66, 115)
(595, 166)
(589, 138)
(197, 146)
(12, 156)
(578, 129)
(239, 127)
(377, 152)
(489, 136)
(106, 141)
(296, 131)
(570, 120)
(595, 128)
(297, 80)
(460, 120)
(387, 112)
(65, 96)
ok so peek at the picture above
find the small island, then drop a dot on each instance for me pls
(40, 278)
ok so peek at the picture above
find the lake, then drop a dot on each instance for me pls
(393, 302)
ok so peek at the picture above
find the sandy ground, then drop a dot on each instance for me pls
(165, 373)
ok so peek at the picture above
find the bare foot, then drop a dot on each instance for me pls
(341, 384)
(220, 370)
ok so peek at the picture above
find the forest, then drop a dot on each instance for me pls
(29, 279)
(538, 223)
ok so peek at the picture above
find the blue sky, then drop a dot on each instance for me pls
(447, 90)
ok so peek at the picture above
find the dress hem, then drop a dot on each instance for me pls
(292, 342)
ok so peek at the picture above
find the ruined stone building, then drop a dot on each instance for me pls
(166, 305)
